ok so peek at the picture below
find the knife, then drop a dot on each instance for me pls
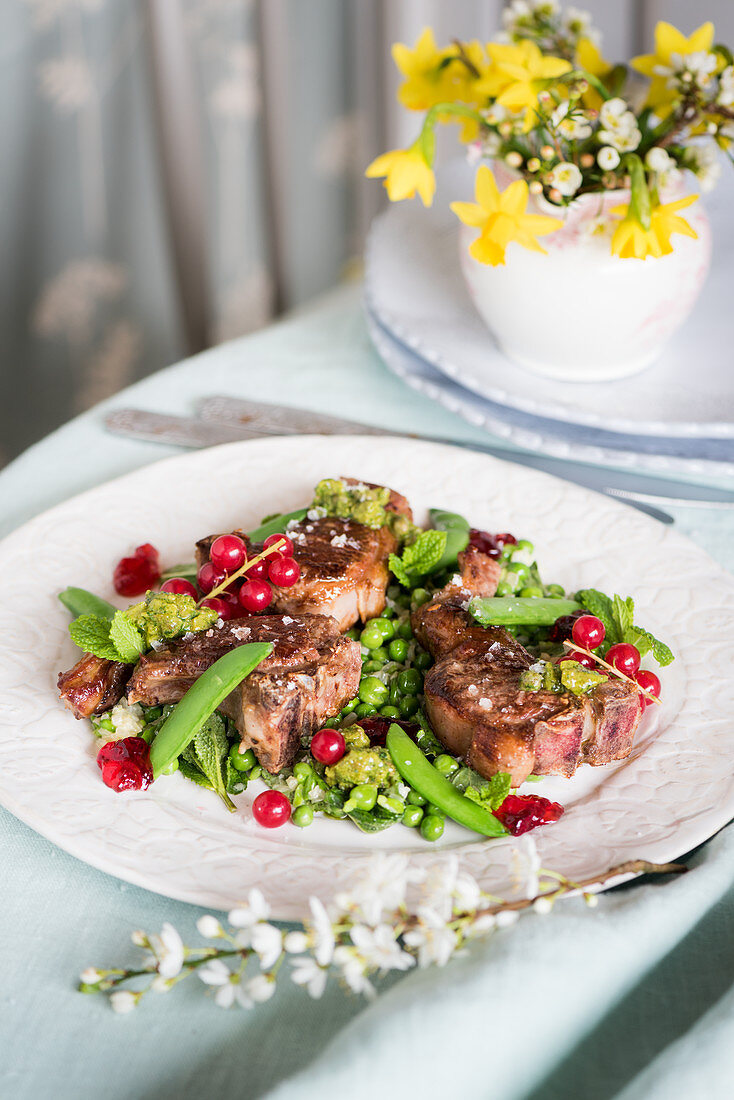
(189, 431)
(269, 419)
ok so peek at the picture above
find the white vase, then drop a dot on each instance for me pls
(580, 314)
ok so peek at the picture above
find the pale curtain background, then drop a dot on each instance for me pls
(176, 172)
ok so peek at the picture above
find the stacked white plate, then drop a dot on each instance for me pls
(678, 415)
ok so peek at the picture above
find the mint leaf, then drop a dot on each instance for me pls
(397, 567)
(617, 616)
(647, 642)
(419, 558)
(92, 634)
(624, 611)
(126, 638)
(489, 793)
(425, 553)
(208, 751)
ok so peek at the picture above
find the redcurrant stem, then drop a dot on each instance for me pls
(615, 672)
(244, 568)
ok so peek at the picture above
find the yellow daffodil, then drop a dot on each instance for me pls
(406, 171)
(589, 58)
(501, 218)
(517, 74)
(631, 240)
(425, 76)
(658, 65)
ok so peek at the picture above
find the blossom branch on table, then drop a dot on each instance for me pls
(369, 930)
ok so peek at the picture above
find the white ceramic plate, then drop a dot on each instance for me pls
(550, 437)
(672, 793)
(415, 288)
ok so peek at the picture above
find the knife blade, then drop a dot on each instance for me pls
(189, 431)
(629, 485)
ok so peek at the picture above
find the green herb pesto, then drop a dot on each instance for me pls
(355, 737)
(165, 615)
(362, 504)
(566, 676)
(362, 765)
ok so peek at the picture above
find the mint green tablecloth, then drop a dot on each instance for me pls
(631, 999)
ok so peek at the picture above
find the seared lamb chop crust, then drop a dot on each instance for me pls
(475, 705)
(308, 677)
(93, 685)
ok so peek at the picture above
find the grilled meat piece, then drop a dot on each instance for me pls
(93, 685)
(344, 571)
(311, 673)
(474, 702)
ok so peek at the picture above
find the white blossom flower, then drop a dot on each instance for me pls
(592, 900)
(229, 989)
(160, 984)
(352, 970)
(619, 126)
(704, 161)
(515, 10)
(507, 918)
(436, 942)
(608, 158)
(267, 942)
(168, 950)
(578, 21)
(215, 972)
(447, 889)
(295, 943)
(209, 927)
(542, 906)
(566, 177)
(122, 1001)
(322, 933)
(306, 971)
(487, 922)
(658, 159)
(525, 867)
(725, 95)
(260, 988)
(244, 916)
(379, 948)
(139, 938)
(690, 70)
(382, 887)
(574, 125)
(90, 976)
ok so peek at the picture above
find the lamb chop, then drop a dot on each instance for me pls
(344, 570)
(311, 673)
(93, 685)
(475, 705)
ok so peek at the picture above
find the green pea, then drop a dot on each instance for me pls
(390, 711)
(531, 592)
(242, 761)
(256, 772)
(420, 596)
(364, 710)
(372, 666)
(380, 654)
(388, 613)
(391, 803)
(409, 706)
(353, 632)
(361, 797)
(302, 770)
(519, 569)
(415, 799)
(504, 588)
(398, 649)
(405, 630)
(525, 544)
(410, 681)
(302, 816)
(412, 816)
(555, 591)
(422, 659)
(170, 768)
(393, 591)
(151, 713)
(446, 764)
(507, 551)
(371, 637)
(373, 691)
(404, 600)
(431, 827)
(382, 626)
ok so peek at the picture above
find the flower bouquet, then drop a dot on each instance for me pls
(588, 156)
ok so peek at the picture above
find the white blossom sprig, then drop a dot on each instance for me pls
(369, 930)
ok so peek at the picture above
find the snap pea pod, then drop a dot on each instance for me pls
(520, 610)
(457, 536)
(276, 525)
(416, 769)
(202, 699)
(80, 602)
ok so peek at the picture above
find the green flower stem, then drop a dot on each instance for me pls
(581, 74)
